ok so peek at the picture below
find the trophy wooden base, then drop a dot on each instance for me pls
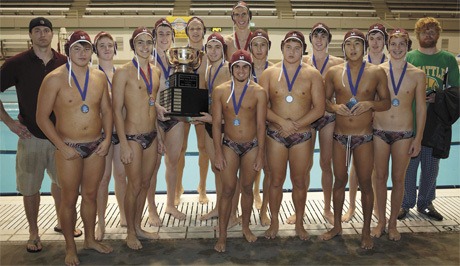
(184, 101)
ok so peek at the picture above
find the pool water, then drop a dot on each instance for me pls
(448, 173)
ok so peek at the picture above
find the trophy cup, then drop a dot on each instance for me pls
(183, 97)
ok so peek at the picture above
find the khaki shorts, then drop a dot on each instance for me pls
(33, 157)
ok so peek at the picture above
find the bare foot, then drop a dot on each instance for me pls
(349, 215)
(154, 219)
(264, 219)
(175, 213)
(100, 231)
(98, 246)
(203, 198)
(335, 231)
(250, 237)
(329, 216)
(272, 231)
(257, 201)
(209, 215)
(367, 242)
(378, 231)
(71, 259)
(220, 245)
(393, 234)
(291, 220)
(142, 234)
(302, 233)
(133, 242)
(233, 221)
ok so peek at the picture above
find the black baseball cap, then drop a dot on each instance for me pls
(40, 21)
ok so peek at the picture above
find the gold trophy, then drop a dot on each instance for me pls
(183, 96)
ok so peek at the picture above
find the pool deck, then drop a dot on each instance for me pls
(14, 227)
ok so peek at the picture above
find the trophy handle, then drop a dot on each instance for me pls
(199, 56)
(168, 58)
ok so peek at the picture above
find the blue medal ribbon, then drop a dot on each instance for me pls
(324, 65)
(370, 61)
(236, 107)
(163, 68)
(108, 80)
(290, 83)
(149, 85)
(353, 88)
(395, 101)
(84, 107)
(254, 72)
(211, 81)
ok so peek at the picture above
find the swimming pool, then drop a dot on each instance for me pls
(448, 173)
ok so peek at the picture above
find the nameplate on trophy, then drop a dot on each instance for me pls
(184, 80)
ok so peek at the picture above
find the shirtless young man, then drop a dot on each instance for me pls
(216, 74)
(105, 48)
(241, 36)
(355, 85)
(296, 99)
(320, 37)
(171, 130)
(195, 31)
(376, 37)
(79, 98)
(394, 129)
(259, 45)
(243, 105)
(135, 90)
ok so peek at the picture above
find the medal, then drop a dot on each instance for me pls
(289, 83)
(354, 87)
(167, 83)
(148, 85)
(236, 107)
(395, 101)
(84, 108)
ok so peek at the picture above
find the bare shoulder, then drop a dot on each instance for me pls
(374, 68)
(413, 70)
(334, 60)
(385, 66)
(222, 87)
(97, 73)
(57, 75)
(336, 68)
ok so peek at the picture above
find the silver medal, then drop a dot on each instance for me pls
(395, 102)
(84, 108)
(289, 98)
(236, 122)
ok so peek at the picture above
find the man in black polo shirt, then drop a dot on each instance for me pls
(35, 153)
